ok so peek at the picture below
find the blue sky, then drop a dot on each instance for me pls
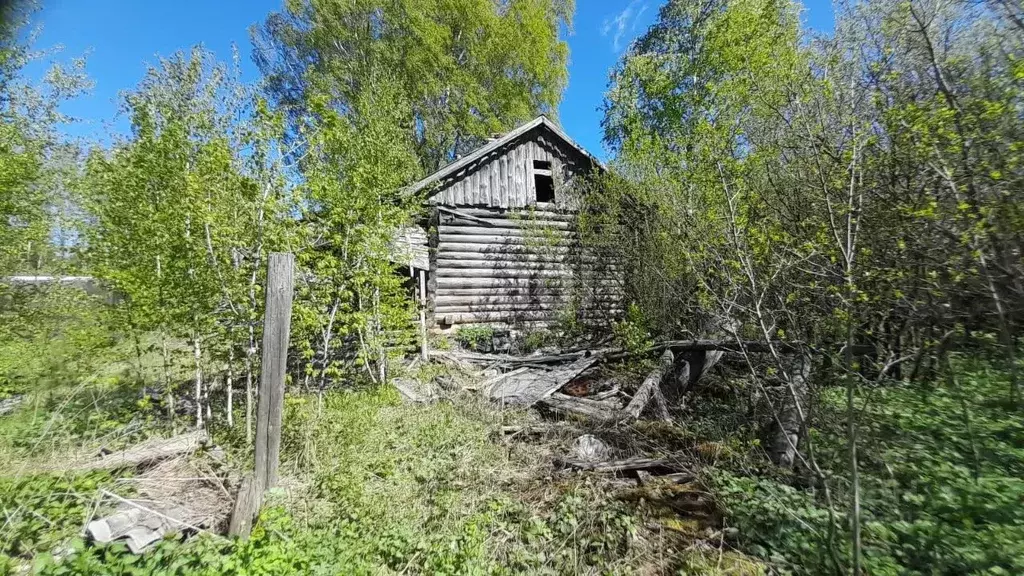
(120, 37)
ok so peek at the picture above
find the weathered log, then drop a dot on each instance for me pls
(538, 230)
(522, 284)
(410, 392)
(519, 215)
(526, 262)
(276, 329)
(529, 429)
(525, 256)
(507, 240)
(145, 453)
(508, 272)
(526, 316)
(509, 360)
(486, 385)
(596, 308)
(501, 298)
(651, 385)
(600, 410)
(462, 215)
(485, 262)
(652, 465)
(500, 248)
(522, 292)
(756, 346)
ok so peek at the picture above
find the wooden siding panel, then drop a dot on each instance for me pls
(485, 185)
(495, 183)
(531, 189)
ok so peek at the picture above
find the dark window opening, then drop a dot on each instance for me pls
(543, 182)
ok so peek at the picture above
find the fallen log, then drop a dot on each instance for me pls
(413, 392)
(602, 410)
(651, 388)
(529, 429)
(145, 453)
(655, 466)
(486, 385)
(247, 504)
(513, 361)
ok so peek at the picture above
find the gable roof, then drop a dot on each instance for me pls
(538, 122)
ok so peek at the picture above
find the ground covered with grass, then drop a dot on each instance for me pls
(371, 485)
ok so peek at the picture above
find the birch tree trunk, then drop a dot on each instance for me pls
(248, 384)
(197, 353)
(229, 382)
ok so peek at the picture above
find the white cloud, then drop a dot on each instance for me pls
(625, 20)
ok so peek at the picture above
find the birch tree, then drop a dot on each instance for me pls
(185, 210)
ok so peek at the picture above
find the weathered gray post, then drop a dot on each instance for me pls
(276, 328)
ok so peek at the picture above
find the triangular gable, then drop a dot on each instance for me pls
(540, 122)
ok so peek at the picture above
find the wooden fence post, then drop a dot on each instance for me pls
(276, 328)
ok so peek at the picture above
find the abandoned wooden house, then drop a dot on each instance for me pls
(499, 246)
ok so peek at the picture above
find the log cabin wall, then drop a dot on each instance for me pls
(516, 268)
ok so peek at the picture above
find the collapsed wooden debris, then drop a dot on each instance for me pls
(415, 392)
(651, 388)
(653, 466)
(531, 386)
(538, 380)
(8, 405)
(177, 495)
(140, 455)
(600, 410)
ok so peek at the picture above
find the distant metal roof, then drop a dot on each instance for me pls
(497, 143)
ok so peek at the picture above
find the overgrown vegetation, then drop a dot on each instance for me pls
(844, 208)
(857, 194)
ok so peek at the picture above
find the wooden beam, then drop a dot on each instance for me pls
(538, 230)
(504, 273)
(524, 292)
(501, 250)
(520, 213)
(524, 283)
(276, 327)
(535, 240)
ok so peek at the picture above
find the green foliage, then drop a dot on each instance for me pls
(182, 208)
(466, 69)
(31, 179)
(52, 335)
(475, 337)
(354, 173)
(940, 480)
(631, 332)
(41, 512)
